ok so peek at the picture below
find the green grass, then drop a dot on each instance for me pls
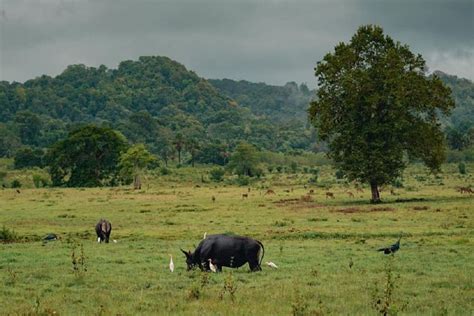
(313, 243)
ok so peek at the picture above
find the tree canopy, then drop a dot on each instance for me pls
(88, 157)
(375, 105)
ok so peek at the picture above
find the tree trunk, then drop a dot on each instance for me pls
(137, 183)
(375, 192)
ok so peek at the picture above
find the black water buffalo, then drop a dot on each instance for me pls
(226, 251)
(103, 229)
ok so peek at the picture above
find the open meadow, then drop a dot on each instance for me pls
(325, 248)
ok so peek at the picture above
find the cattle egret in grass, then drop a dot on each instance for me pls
(98, 240)
(115, 240)
(205, 235)
(171, 263)
(271, 265)
(212, 266)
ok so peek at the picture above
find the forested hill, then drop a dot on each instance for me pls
(463, 93)
(154, 100)
(278, 103)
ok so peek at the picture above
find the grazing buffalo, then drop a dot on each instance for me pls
(225, 251)
(103, 229)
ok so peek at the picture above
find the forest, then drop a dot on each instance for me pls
(180, 116)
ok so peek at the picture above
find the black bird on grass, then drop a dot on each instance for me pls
(392, 249)
(50, 237)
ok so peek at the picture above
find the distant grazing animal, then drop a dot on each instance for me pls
(392, 192)
(271, 265)
(212, 266)
(311, 191)
(287, 191)
(248, 189)
(350, 194)
(329, 195)
(392, 249)
(171, 264)
(245, 195)
(359, 190)
(213, 198)
(103, 230)
(306, 198)
(465, 190)
(18, 191)
(50, 237)
(226, 251)
(269, 192)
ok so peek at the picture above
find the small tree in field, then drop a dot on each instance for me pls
(134, 162)
(244, 161)
(375, 106)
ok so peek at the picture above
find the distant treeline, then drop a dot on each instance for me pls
(176, 114)
(155, 101)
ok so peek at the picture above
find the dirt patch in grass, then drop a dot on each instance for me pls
(298, 204)
(421, 208)
(351, 210)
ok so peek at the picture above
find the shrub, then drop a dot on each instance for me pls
(217, 174)
(397, 183)
(40, 181)
(165, 171)
(7, 235)
(462, 168)
(243, 180)
(294, 167)
(339, 174)
(16, 184)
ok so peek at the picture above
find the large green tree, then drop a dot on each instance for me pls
(88, 157)
(376, 106)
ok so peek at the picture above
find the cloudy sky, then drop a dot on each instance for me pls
(273, 41)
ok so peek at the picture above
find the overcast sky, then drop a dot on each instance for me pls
(264, 41)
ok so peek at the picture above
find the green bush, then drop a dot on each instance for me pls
(165, 171)
(294, 167)
(243, 180)
(7, 235)
(339, 174)
(16, 184)
(397, 183)
(462, 168)
(40, 181)
(217, 174)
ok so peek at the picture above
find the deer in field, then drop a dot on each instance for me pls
(465, 190)
(213, 198)
(245, 196)
(269, 192)
(311, 191)
(329, 195)
(350, 194)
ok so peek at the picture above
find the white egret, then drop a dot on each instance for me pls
(271, 265)
(171, 263)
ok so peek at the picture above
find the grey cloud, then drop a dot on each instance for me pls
(270, 41)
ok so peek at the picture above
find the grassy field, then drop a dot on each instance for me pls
(325, 248)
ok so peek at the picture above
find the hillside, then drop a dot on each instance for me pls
(154, 100)
(463, 93)
(278, 103)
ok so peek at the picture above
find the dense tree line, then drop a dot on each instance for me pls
(154, 101)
